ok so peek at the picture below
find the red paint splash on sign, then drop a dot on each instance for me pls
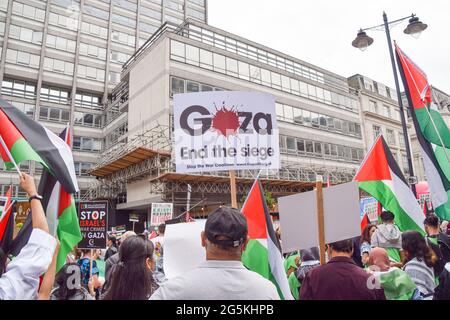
(226, 122)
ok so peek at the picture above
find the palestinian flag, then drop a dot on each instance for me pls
(263, 252)
(396, 283)
(14, 144)
(381, 177)
(6, 222)
(27, 139)
(60, 209)
(432, 132)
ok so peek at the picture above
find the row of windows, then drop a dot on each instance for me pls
(297, 146)
(198, 2)
(22, 58)
(317, 120)
(92, 51)
(219, 63)
(88, 119)
(93, 29)
(96, 12)
(390, 135)
(147, 27)
(87, 100)
(2, 28)
(186, 86)
(91, 73)
(384, 110)
(124, 4)
(60, 43)
(114, 77)
(54, 114)
(18, 89)
(124, 21)
(124, 38)
(70, 23)
(243, 49)
(25, 34)
(87, 144)
(170, 18)
(28, 11)
(174, 5)
(59, 66)
(379, 88)
(196, 14)
(54, 94)
(152, 13)
(119, 57)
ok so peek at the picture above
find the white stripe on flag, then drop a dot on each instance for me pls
(406, 199)
(52, 209)
(277, 269)
(65, 153)
(437, 190)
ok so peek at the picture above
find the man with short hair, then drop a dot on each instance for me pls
(340, 278)
(438, 241)
(222, 276)
(111, 243)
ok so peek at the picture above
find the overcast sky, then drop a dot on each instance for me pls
(321, 31)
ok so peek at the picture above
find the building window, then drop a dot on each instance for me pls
(56, 95)
(24, 34)
(124, 38)
(87, 144)
(405, 164)
(390, 137)
(376, 130)
(386, 111)
(373, 106)
(95, 30)
(18, 88)
(87, 100)
(54, 114)
(26, 108)
(59, 66)
(88, 119)
(60, 43)
(22, 58)
(28, 11)
(401, 140)
(93, 51)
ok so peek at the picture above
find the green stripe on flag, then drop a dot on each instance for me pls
(428, 127)
(22, 151)
(380, 191)
(256, 258)
(68, 232)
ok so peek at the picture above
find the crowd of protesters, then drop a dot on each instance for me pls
(382, 263)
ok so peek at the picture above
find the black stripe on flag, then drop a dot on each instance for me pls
(392, 163)
(269, 226)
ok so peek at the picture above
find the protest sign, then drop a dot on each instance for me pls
(370, 207)
(225, 130)
(299, 222)
(160, 213)
(92, 216)
(182, 243)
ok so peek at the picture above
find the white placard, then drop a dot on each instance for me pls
(182, 247)
(225, 130)
(160, 213)
(298, 217)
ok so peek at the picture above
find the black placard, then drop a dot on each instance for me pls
(93, 219)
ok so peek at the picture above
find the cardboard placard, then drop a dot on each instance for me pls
(93, 219)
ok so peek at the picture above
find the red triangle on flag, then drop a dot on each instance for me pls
(375, 166)
(254, 211)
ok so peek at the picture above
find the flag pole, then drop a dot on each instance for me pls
(320, 218)
(9, 155)
(233, 189)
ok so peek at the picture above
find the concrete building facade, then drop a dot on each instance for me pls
(61, 59)
(318, 118)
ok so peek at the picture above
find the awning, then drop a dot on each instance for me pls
(137, 155)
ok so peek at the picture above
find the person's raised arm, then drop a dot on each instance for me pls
(49, 277)
(38, 215)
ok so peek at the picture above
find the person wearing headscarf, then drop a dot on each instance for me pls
(290, 266)
(396, 283)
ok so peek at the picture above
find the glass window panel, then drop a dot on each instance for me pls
(219, 63)
(265, 76)
(309, 146)
(244, 70)
(318, 148)
(279, 110)
(288, 113)
(177, 85)
(300, 145)
(192, 55)
(232, 66)
(255, 74)
(312, 90)
(43, 112)
(290, 143)
(295, 86)
(276, 80)
(206, 59)
(65, 115)
(298, 115)
(177, 49)
(314, 119)
(307, 117)
(54, 114)
(303, 89)
(285, 83)
(192, 87)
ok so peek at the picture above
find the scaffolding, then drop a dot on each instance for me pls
(148, 155)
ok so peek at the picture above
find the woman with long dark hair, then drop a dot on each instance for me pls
(418, 260)
(132, 278)
(364, 244)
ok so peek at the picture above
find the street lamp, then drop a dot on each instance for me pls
(362, 41)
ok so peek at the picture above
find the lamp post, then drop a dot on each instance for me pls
(362, 41)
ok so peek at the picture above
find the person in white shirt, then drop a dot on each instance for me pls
(222, 276)
(21, 278)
